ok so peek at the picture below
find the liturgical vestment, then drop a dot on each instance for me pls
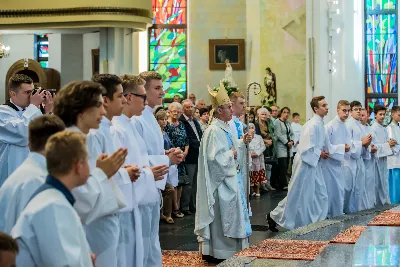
(18, 189)
(380, 139)
(14, 137)
(145, 194)
(148, 128)
(307, 199)
(222, 219)
(105, 245)
(369, 163)
(49, 231)
(337, 136)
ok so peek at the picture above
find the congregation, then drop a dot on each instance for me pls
(87, 175)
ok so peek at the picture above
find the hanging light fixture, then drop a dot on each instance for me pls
(4, 50)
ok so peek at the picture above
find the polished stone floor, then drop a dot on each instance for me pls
(377, 246)
(180, 235)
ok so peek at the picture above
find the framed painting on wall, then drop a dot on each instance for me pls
(221, 50)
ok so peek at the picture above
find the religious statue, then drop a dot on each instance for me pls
(228, 75)
(270, 85)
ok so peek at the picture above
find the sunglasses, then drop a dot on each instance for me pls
(144, 97)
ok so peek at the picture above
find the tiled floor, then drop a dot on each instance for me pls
(180, 235)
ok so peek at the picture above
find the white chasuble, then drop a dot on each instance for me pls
(222, 219)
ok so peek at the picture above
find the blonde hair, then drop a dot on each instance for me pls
(63, 150)
(161, 115)
(148, 76)
(131, 82)
(235, 95)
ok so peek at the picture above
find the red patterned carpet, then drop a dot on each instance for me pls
(386, 218)
(285, 249)
(177, 258)
(349, 236)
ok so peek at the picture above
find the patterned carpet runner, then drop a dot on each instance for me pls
(349, 236)
(285, 249)
(386, 218)
(177, 258)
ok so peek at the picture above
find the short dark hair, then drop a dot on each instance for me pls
(378, 108)
(109, 82)
(41, 128)
(395, 109)
(16, 80)
(355, 103)
(203, 110)
(131, 82)
(7, 243)
(76, 97)
(63, 150)
(295, 114)
(315, 102)
(148, 76)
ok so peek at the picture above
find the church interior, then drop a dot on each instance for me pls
(341, 49)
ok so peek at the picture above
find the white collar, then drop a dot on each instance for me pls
(19, 108)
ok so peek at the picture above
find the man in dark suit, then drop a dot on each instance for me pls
(194, 134)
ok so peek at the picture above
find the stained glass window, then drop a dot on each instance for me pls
(381, 62)
(42, 44)
(167, 45)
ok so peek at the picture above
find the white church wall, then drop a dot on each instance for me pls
(90, 41)
(209, 19)
(348, 80)
(22, 46)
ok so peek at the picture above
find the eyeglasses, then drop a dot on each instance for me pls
(144, 97)
(356, 109)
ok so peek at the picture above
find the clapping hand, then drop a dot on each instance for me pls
(111, 164)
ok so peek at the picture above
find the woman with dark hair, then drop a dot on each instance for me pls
(284, 141)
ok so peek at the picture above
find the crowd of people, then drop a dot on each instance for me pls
(87, 175)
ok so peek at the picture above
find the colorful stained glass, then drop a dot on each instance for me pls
(381, 47)
(380, 4)
(168, 54)
(168, 37)
(168, 45)
(44, 64)
(170, 72)
(387, 102)
(169, 11)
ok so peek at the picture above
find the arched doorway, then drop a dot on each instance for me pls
(34, 70)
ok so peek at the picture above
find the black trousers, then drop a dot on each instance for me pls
(282, 167)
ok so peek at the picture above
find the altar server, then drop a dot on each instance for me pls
(338, 144)
(394, 160)
(147, 127)
(15, 115)
(356, 197)
(307, 199)
(18, 189)
(386, 146)
(102, 140)
(49, 231)
(222, 219)
(369, 161)
(98, 201)
(145, 193)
